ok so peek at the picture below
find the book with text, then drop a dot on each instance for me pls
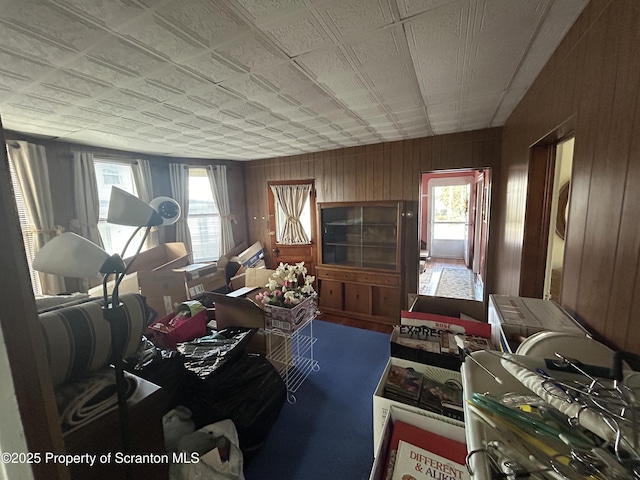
(437, 445)
(415, 463)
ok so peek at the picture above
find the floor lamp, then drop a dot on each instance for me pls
(71, 255)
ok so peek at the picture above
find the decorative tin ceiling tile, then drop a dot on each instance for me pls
(263, 8)
(211, 22)
(356, 16)
(152, 91)
(125, 56)
(177, 80)
(22, 67)
(211, 66)
(44, 19)
(215, 96)
(98, 71)
(252, 52)
(27, 45)
(36, 104)
(60, 95)
(107, 13)
(155, 35)
(126, 99)
(409, 8)
(10, 82)
(248, 87)
(300, 34)
(110, 109)
(215, 79)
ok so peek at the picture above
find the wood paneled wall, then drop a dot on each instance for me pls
(384, 171)
(594, 77)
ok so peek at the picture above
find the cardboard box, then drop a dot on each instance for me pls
(288, 320)
(151, 276)
(234, 311)
(197, 270)
(250, 256)
(224, 259)
(163, 290)
(242, 311)
(206, 283)
(451, 307)
(255, 279)
(514, 318)
(163, 257)
(396, 414)
(381, 405)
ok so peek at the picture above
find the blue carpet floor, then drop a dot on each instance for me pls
(328, 432)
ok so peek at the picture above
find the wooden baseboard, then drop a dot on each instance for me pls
(357, 323)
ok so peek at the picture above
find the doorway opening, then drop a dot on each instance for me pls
(453, 233)
(548, 192)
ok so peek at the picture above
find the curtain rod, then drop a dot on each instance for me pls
(199, 166)
(109, 156)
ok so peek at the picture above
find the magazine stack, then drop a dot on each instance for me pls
(404, 385)
(445, 399)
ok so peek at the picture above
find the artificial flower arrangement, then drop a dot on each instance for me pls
(288, 286)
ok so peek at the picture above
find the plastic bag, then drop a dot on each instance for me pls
(248, 391)
(220, 454)
(203, 356)
(176, 424)
(159, 366)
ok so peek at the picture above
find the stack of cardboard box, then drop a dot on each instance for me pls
(165, 278)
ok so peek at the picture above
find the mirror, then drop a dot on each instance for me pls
(562, 211)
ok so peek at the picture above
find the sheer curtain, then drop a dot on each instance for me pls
(144, 186)
(87, 203)
(179, 174)
(30, 164)
(291, 199)
(218, 180)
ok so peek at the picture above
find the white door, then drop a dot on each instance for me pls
(478, 222)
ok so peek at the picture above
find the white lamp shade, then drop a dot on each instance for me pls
(127, 209)
(168, 209)
(70, 255)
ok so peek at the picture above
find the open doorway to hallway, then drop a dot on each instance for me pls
(453, 231)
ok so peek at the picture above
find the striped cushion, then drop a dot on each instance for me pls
(78, 338)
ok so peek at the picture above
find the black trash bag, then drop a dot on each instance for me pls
(159, 366)
(248, 391)
(204, 356)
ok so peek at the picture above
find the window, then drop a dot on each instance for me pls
(305, 219)
(28, 233)
(451, 204)
(204, 218)
(114, 174)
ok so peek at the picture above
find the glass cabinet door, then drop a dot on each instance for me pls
(360, 236)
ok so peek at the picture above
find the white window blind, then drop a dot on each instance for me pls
(28, 231)
(204, 217)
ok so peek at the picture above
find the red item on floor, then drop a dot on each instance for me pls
(176, 328)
